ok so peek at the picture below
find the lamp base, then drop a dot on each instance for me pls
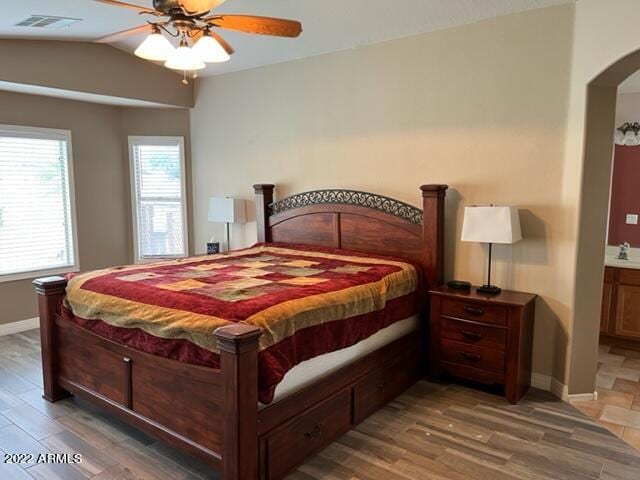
(489, 289)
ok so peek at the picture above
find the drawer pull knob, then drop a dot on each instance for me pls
(381, 386)
(471, 335)
(473, 310)
(315, 433)
(470, 356)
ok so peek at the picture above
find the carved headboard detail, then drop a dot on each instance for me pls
(359, 221)
(349, 197)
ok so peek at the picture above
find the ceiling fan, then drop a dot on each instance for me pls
(194, 24)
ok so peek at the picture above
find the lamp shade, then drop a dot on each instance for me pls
(227, 210)
(491, 224)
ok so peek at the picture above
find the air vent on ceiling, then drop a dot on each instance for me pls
(47, 21)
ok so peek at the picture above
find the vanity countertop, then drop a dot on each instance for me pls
(610, 259)
(614, 262)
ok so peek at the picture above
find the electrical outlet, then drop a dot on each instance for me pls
(632, 218)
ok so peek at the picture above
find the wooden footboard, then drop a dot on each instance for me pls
(209, 413)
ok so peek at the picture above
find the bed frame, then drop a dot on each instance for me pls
(213, 413)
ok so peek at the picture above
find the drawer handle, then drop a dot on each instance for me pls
(315, 433)
(471, 335)
(381, 386)
(473, 310)
(471, 357)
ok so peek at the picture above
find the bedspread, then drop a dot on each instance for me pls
(307, 301)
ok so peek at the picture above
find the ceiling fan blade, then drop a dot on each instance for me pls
(117, 3)
(278, 27)
(124, 33)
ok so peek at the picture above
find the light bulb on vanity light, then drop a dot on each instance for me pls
(210, 51)
(155, 47)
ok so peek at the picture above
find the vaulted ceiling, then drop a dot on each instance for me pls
(329, 25)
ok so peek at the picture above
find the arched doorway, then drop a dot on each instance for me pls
(598, 151)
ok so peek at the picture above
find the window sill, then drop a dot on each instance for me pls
(13, 277)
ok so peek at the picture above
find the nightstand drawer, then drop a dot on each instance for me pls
(472, 356)
(479, 312)
(465, 331)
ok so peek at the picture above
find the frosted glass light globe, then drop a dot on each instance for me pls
(210, 51)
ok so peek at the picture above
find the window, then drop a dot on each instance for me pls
(158, 192)
(37, 216)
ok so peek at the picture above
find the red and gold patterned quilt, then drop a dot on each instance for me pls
(307, 301)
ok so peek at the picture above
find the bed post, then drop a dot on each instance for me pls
(50, 292)
(238, 345)
(264, 198)
(433, 249)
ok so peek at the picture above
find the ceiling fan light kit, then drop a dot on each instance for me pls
(155, 47)
(192, 22)
(210, 51)
(185, 59)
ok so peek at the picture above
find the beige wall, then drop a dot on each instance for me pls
(482, 108)
(100, 160)
(90, 68)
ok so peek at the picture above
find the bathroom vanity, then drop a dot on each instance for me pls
(620, 316)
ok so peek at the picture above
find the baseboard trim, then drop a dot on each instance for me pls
(582, 397)
(20, 326)
(559, 389)
(543, 382)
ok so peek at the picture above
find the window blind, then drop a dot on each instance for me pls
(36, 226)
(158, 187)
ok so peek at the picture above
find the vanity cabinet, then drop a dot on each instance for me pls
(607, 295)
(620, 316)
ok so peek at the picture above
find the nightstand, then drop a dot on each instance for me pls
(484, 338)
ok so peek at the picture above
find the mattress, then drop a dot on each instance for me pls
(307, 301)
(314, 369)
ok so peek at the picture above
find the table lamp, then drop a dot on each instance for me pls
(227, 210)
(491, 224)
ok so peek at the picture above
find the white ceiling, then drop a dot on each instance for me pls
(329, 25)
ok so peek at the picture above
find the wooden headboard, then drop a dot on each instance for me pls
(359, 221)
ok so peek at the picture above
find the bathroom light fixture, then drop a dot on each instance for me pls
(628, 134)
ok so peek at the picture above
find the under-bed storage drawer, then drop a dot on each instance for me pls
(291, 443)
(380, 386)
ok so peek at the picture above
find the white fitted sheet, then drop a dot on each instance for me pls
(311, 370)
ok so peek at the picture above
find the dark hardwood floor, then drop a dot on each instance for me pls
(430, 432)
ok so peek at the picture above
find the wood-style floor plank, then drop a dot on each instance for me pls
(33, 422)
(94, 461)
(432, 432)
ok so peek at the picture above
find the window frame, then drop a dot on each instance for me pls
(60, 135)
(135, 140)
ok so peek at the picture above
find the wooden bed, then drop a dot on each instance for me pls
(213, 413)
